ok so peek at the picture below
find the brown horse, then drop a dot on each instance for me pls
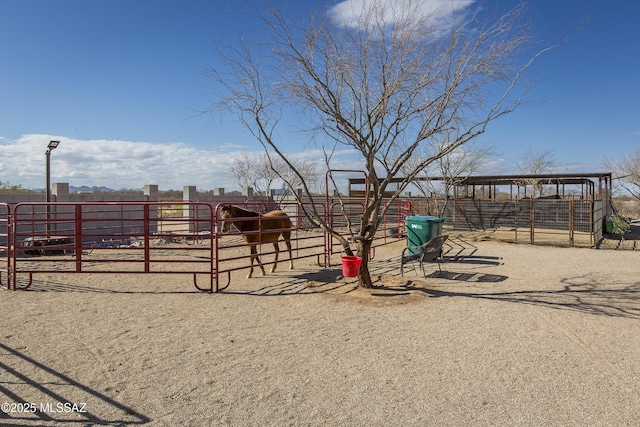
(259, 230)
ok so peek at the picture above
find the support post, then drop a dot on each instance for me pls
(189, 194)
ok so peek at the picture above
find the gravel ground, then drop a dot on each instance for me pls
(512, 335)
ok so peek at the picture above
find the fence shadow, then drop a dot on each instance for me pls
(44, 285)
(315, 282)
(582, 294)
(467, 277)
(391, 266)
(54, 388)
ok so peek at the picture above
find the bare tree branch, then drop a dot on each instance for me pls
(627, 171)
(385, 80)
(536, 163)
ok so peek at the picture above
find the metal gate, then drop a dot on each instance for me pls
(232, 252)
(5, 245)
(109, 237)
(150, 237)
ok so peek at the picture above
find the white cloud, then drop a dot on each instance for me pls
(352, 12)
(115, 164)
(127, 164)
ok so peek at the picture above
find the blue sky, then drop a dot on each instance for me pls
(121, 82)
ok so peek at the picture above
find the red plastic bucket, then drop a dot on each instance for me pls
(351, 266)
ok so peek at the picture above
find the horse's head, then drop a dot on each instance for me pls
(226, 211)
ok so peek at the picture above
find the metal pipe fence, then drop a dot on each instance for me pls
(5, 246)
(113, 237)
(153, 237)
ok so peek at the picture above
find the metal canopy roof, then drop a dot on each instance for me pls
(560, 178)
(590, 180)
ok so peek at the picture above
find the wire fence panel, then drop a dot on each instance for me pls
(573, 222)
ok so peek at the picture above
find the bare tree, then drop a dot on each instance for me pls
(305, 170)
(450, 170)
(253, 171)
(382, 78)
(536, 163)
(627, 171)
(263, 171)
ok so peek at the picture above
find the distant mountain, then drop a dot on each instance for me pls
(86, 189)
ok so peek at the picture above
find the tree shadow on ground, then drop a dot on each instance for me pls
(581, 294)
(28, 380)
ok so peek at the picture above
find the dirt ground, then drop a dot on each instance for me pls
(506, 335)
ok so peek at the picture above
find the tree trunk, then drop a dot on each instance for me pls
(364, 277)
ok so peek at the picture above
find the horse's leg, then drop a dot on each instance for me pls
(287, 241)
(276, 247)
(253, 254)
(255, 251)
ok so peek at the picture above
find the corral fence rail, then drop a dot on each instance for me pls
(5, 239)
(308, 240)
(108, 237)
(155, 237)
(570, 222)
(233, 253)
(350, 210)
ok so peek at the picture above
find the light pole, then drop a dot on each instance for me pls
(52, 145)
